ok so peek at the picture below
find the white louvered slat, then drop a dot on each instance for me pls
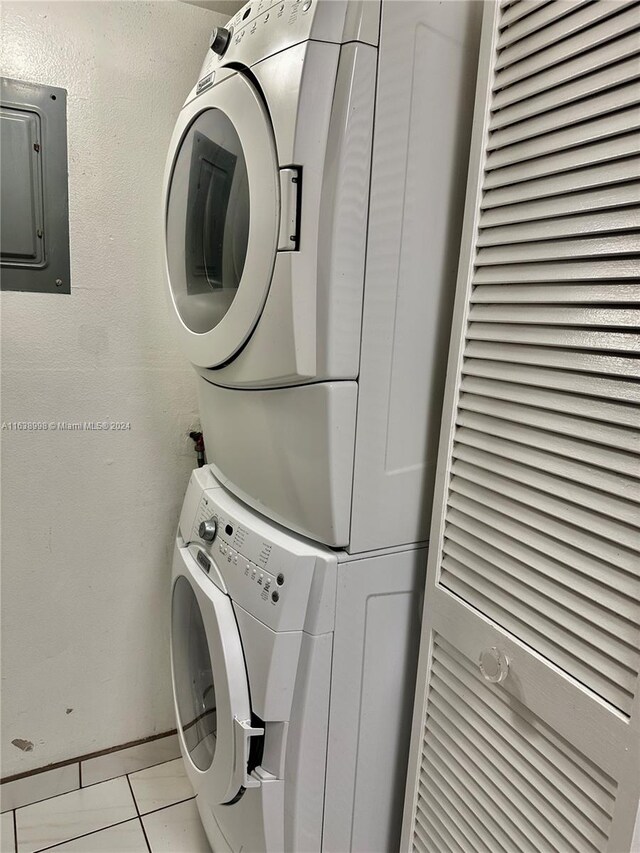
(566, 93)
(515, 31)
(465, 494)
(562, 647)
(566, 226)
(476, 736)
(466, 829)
(567, 294)
(588, 247)
(484, 431)
(604, 198)
(592, 363)
(535, 541)
(513, 792)
(580, 495)
(583, 17)
(584, 63)
(569, 47)
(550, 759)
(422, 841)
(507, 833)
(585, 155)
(574, 472)
(550, 574)
(569, 316)
(559, 337)
(518, 10)
(547, 419)
(544, 552)
(611, 172)
(604, 127)
(559, 402)
(540, 377)
(507, 582)
(433, 838)
(574, 271)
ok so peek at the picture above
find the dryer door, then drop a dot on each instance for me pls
(211, 691)
(222, 192)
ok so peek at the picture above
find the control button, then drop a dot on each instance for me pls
(219, 40)
(235, 559)
(280, 579)
(275, 596)
(253, 574)
(207, 530)
(306, 6)
(266, 17)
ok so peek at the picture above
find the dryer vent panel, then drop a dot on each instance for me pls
(34, 235)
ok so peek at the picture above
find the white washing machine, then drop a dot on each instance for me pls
(293, 670)
(313, 205)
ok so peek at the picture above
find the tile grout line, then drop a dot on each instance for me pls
(91, 784)
(138, 770)
(101, 829)
(169, 806)
(135, 803)
(84, 835)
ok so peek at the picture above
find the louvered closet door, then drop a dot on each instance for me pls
(534, 566)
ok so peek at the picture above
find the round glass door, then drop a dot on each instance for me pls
(193, 675)
(208, 210)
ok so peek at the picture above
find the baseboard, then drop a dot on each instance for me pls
(78, 759)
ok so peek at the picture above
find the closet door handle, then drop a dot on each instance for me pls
(494, 665)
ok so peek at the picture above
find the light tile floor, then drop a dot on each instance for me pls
(149, 810)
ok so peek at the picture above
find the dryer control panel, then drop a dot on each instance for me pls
(265, 569)
(263, 27)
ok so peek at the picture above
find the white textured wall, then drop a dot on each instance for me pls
(88, 518)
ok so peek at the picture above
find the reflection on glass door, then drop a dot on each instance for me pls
(207, 221)
(193, 676)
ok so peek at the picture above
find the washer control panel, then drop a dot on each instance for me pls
(266, 583)
(265, 570)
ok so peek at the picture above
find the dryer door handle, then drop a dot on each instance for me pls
(243, 732)
(288, 236)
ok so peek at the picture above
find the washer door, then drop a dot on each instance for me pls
(222, 219)
(210, 685)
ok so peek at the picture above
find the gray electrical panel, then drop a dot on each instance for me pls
(34, 202)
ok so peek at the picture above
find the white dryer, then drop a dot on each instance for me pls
(265, 191)
(293, 671)
(318, 323)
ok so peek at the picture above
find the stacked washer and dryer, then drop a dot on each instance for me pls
(313, 203)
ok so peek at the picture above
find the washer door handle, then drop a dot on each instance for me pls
(243, 732)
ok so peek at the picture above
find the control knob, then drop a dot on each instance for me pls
(219, 40)
(207, 530)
